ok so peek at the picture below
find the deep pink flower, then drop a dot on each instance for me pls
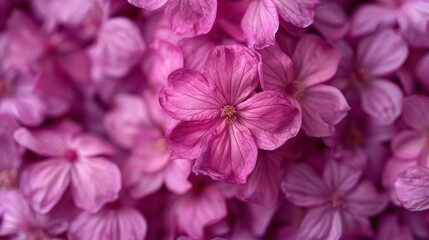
(117, 220)
(187, 18)
(73, 159)
(412, 16)
(223, 121)
(20, 221)
(339, 204)
(313, 63)
(378, 55)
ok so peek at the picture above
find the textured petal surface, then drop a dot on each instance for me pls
(298, 12)
(233, 70)
(230, 154)
(148, 4)
(95, 181)
(277, 69)
(411, 187)
(321, 223)
(364, 200)
(271, 118)
(260, 23)
(189, 96)
(190, 18)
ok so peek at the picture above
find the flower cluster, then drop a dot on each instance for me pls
(214, 119)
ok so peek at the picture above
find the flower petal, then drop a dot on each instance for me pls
(370, 17)
(176, 176)
(364, 200)
(88, 145)
(382, 100)
(95, 181)
(234, 71)
(298, 12)
(416, 111)
(148, 4)
(382, 52)
(230, 154)
(315, 60)
(271, 118)
(409, 144)
(303, 187)
(189, 96)
(323, 107)
(44, 183)
(260, 23)
(321, 223)
(340, 177)
(16, 214)
(412, 187)
(189, 18)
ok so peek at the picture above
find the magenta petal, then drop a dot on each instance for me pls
(234, 70)
(412, 187)
(176, 176)
(88, 145)
(190, 18)
(189, 96)
(382, 100)
(409, 144)
(316, 60)
(260, 23)
(148, 4)
(230, 154)
(416, 111)
(44, 183)
(364, 200)
(382, 53)
(187, 139)
(323, 107)
(277, 69)
(321, 223)
(95, 181)
(299, 13)
(15, 213)
(271, 118)
(370, 17)
(340, 177)
(303, 187)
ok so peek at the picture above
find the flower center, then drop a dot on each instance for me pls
(38, 234)
(296, 89)
(337, 200)
(360, 78)
(8, 178)
(70, 155)
(229, 113)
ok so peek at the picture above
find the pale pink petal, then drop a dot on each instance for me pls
(27, 108)
(411, 188)
(260, 23)
(364, 200)
(193, 212)
(323, 107)
(303, 187)
(298, 12)
(416, 111)
(88, 145)
(382, 52)
(122, 223)
(413, 21)
(321, 223)
(176, 176)
(150, 153)
(95, 181)
(233, 70)
(230, 154)
(391, 171)
(409, 144)
(271, 118)
(370, 17)
(141, 185)
(189, 96)
(44, 183)
(148, 4)
(44, 142)
(187, 139)
(277, 69)
(16, 214)
(382, 100)
(315, 60)
(189, 18)
(340, 177)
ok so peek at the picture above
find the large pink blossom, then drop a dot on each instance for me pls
(72, 159)
(339, 203)
(223, 121)
(313, 63)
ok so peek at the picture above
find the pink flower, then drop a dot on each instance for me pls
(412, 17)
(261, 19)
(10, 154)
(378, 55)
(412, 188)
(73, 159)
(223, 121)
(20, 221)
(117, 220)
(339, 205)
(187, 18)
(313, 63)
